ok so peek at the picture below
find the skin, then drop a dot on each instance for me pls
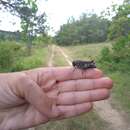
(34, 97)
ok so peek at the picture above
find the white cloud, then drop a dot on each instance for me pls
(9, 22)
(59, 11)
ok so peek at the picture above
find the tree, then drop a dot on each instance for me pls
(120, 24)
(88, 29)
(31, 23)
(16, 7)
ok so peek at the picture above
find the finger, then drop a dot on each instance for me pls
(84, 84)
(67, 73)
(71, 98)
(35, 96)
(74, 110)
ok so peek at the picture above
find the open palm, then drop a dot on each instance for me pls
(36, 96)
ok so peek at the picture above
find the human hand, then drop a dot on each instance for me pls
(36, 96)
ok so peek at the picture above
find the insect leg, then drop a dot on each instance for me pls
(75, 67)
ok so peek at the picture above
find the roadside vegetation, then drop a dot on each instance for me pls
(89, 121)
(85, 52)
(115, 61)
(14, 57)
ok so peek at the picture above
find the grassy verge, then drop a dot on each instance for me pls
(85, 52)
(38, 58)
(121, 89)
(13, 57)
(90, 121)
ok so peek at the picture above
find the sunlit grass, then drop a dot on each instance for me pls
(38, 58)
(89, 121)
(85, 52)
(59, 60)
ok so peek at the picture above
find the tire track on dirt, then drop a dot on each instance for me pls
(50, 64)
(104, 108)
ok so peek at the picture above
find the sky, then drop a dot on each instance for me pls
(58, 11)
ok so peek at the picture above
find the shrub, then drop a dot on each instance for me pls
(38, 58)
(105, 54)
(9, 53)
(118, 57)
(27, 63)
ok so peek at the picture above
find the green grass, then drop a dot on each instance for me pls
(85, 52)
(121, 90)
(59, 59)
(38, 58)
(14, 57)
(89, 121)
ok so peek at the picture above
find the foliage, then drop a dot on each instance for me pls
(13, 57)
(88, 29)
(118, 57)
(4, 35)
(92, 28)
(39, 58)
(120, 24)
(16, 7)
(9, 53)
(43, 40)
(32, 24)
(121, 90)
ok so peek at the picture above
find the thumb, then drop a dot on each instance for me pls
(35, 96)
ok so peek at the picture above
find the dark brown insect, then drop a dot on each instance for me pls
(84, 65)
